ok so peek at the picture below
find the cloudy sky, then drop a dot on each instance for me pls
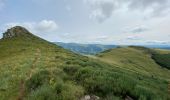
(91, 21)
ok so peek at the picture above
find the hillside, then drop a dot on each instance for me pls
(35, 69)
(137, 59)
(85, 48)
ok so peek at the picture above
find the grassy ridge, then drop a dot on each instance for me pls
(135, 60)
(54, 73)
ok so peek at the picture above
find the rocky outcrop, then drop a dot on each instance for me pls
(15, 31)
(90, 97)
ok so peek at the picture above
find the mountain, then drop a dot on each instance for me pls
(85, 48)
(32, 68)
(92, 49)
(158, 46)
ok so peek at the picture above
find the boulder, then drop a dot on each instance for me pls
(90, 97)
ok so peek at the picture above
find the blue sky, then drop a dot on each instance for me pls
(91, 21)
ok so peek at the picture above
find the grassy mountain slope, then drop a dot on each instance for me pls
(136, 59)
(34, 69)
(139, 60)
(17, 57)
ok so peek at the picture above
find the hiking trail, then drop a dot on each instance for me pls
(29, 75)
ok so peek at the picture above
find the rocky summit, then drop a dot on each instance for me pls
(15, 32)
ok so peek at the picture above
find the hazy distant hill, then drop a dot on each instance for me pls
(97, 48)
(85, 48)
(158, 46)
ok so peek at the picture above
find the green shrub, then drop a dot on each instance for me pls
(71, 92)
(68, 91)
(52, 82)
(37, 80)
(105, 82)
(44, 92)
(112, 97)
(71, 69)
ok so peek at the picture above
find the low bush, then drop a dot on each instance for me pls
(37, 80)
(45, 92)
(162, 59)
(46, 85)
(71, 69)
(105, 82)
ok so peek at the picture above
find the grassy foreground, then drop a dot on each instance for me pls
(34, 69)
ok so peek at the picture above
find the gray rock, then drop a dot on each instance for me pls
(128, 98)
(88, 97)
(15, 31)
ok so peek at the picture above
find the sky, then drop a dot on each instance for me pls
(125, 22)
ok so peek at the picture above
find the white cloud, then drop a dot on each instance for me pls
(44, 26)
(134, 37)
(103, 9)
(103, 37)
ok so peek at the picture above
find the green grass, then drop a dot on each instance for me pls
(135, 60)
(53, 73)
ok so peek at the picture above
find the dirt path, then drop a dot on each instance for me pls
(29, 75)
(37, 58)
(169, 87)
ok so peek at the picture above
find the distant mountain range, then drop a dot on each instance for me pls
(158, 46)
(97, 48)
(85, 48)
